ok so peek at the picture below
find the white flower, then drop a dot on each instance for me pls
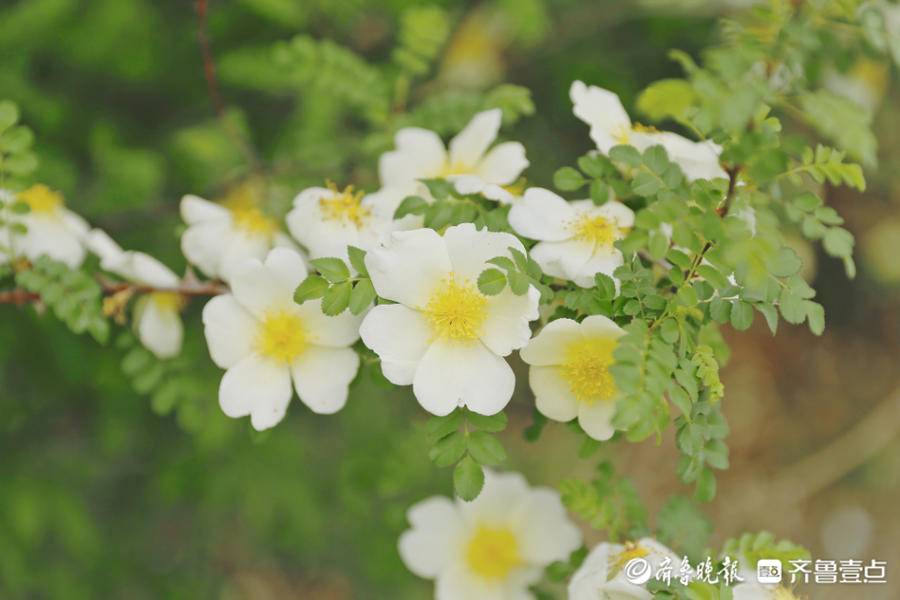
(264, 339)
(327, 220)
(602, 575)
(218, 237)
(444, 336)
(569, 372)
(492, 548)
(157, 317)
(53, 230)
(611, 126)
(576, 239)
(420, 154)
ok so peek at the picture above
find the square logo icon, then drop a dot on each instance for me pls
(768, 570)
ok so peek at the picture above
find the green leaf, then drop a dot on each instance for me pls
(9, 115)
(838, 242)
(448, 450)
(333, 269)
(491, 423)
(843, 121)
(627, 155)
(787, 263)
(20, 208)
(440, 189)
(438, 427)
(741, 315)
(491, 282)
(706, 486)
(771, 315)
(606, 287)
(518, 283)
(568, 179)
(411, 205)
(646, 184)
(362, 296)
(815, 314)
(313, 286)
(713, 276)
(599, 192)
(681, 525)
(666, 98)
(468, 479)
(358, 260)
(337, 298)
(485, 448)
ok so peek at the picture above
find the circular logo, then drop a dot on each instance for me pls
(637, 571)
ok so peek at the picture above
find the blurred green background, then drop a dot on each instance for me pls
(120, 477)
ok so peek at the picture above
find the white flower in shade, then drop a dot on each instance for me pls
(52, 229)
(444, 336)
(264, 339)
(157, 318)
(469, 164)
(327, 220)
(602, 575)
(611, 126)
(219, 237)
(492, 548)
(569, 372)
(575, 238)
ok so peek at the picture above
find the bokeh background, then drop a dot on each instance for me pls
(120, 478)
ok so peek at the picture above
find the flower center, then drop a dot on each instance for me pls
(618, 562)
(586, 370)
(345, 206)
(596, 229)
(42, 199)
(621, 134)
(281, 336)
(454, 168)
(492, 552)
(456, 310)
(168, 300)
(252, 220)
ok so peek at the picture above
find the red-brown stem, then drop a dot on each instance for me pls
(19, 296)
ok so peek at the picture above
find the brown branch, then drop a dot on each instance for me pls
(19, 296)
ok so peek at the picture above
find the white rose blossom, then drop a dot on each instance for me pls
(52, 229)
(219, 238)
(602, 574)
(569, 372)
(575, 238)
(611, 126)
(264, 340)
(327, 220)
(470, 164)
(157, 315)
(492, 548)
(444, 336)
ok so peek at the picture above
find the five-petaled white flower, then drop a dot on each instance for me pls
(420, 154)
(605, 572)
(575, 238)
(569, 372)
(611, 126)
(327, 220)
(219, 237)
(444, 336)
(157, 318)
(52, 229)
(492, 548)
(264, 339)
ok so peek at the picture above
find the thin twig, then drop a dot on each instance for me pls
(19, 296)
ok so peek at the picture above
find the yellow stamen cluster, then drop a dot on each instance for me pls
(492, 552)
(456, 310)
(42, 199)
(168, 300)
(345, 206)
(596, 229)
(586, 369)
(244, 203)
(618, 562)
(281, 336)
(454, 168)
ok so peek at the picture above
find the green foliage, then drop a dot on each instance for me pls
(73, 296)
(843, 121)
(336, 287)
(683, 528)
(750, 547)
(423, 32)
(17, 161)
(608, 502)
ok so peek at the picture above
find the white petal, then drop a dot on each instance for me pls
(602, 110)
(470, 144)
(605, 262)
(546, 534)
(420, 154)
(49, 236)
(542, 215)
(261, 287)
(322, 376)
(467, 374)
(409, 266)
(258, 387)
(399, 336)
(614, 211)
(146, 270)
(196, 210)
(203, 244)
(563, 259)
(75, 223)
(338, 331)
(239, 248)
(432, 543)
(104, 247)
(506, 326)
(501, 492)
(600, 326)
(589, 580)
(468, 184)
(500, 194)
(159, 328)
(596, 419)
(384, 202)
(503, 164)
(230, 330)
(698, 160)
(469, 249)
(552, 395)
(549, 345)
